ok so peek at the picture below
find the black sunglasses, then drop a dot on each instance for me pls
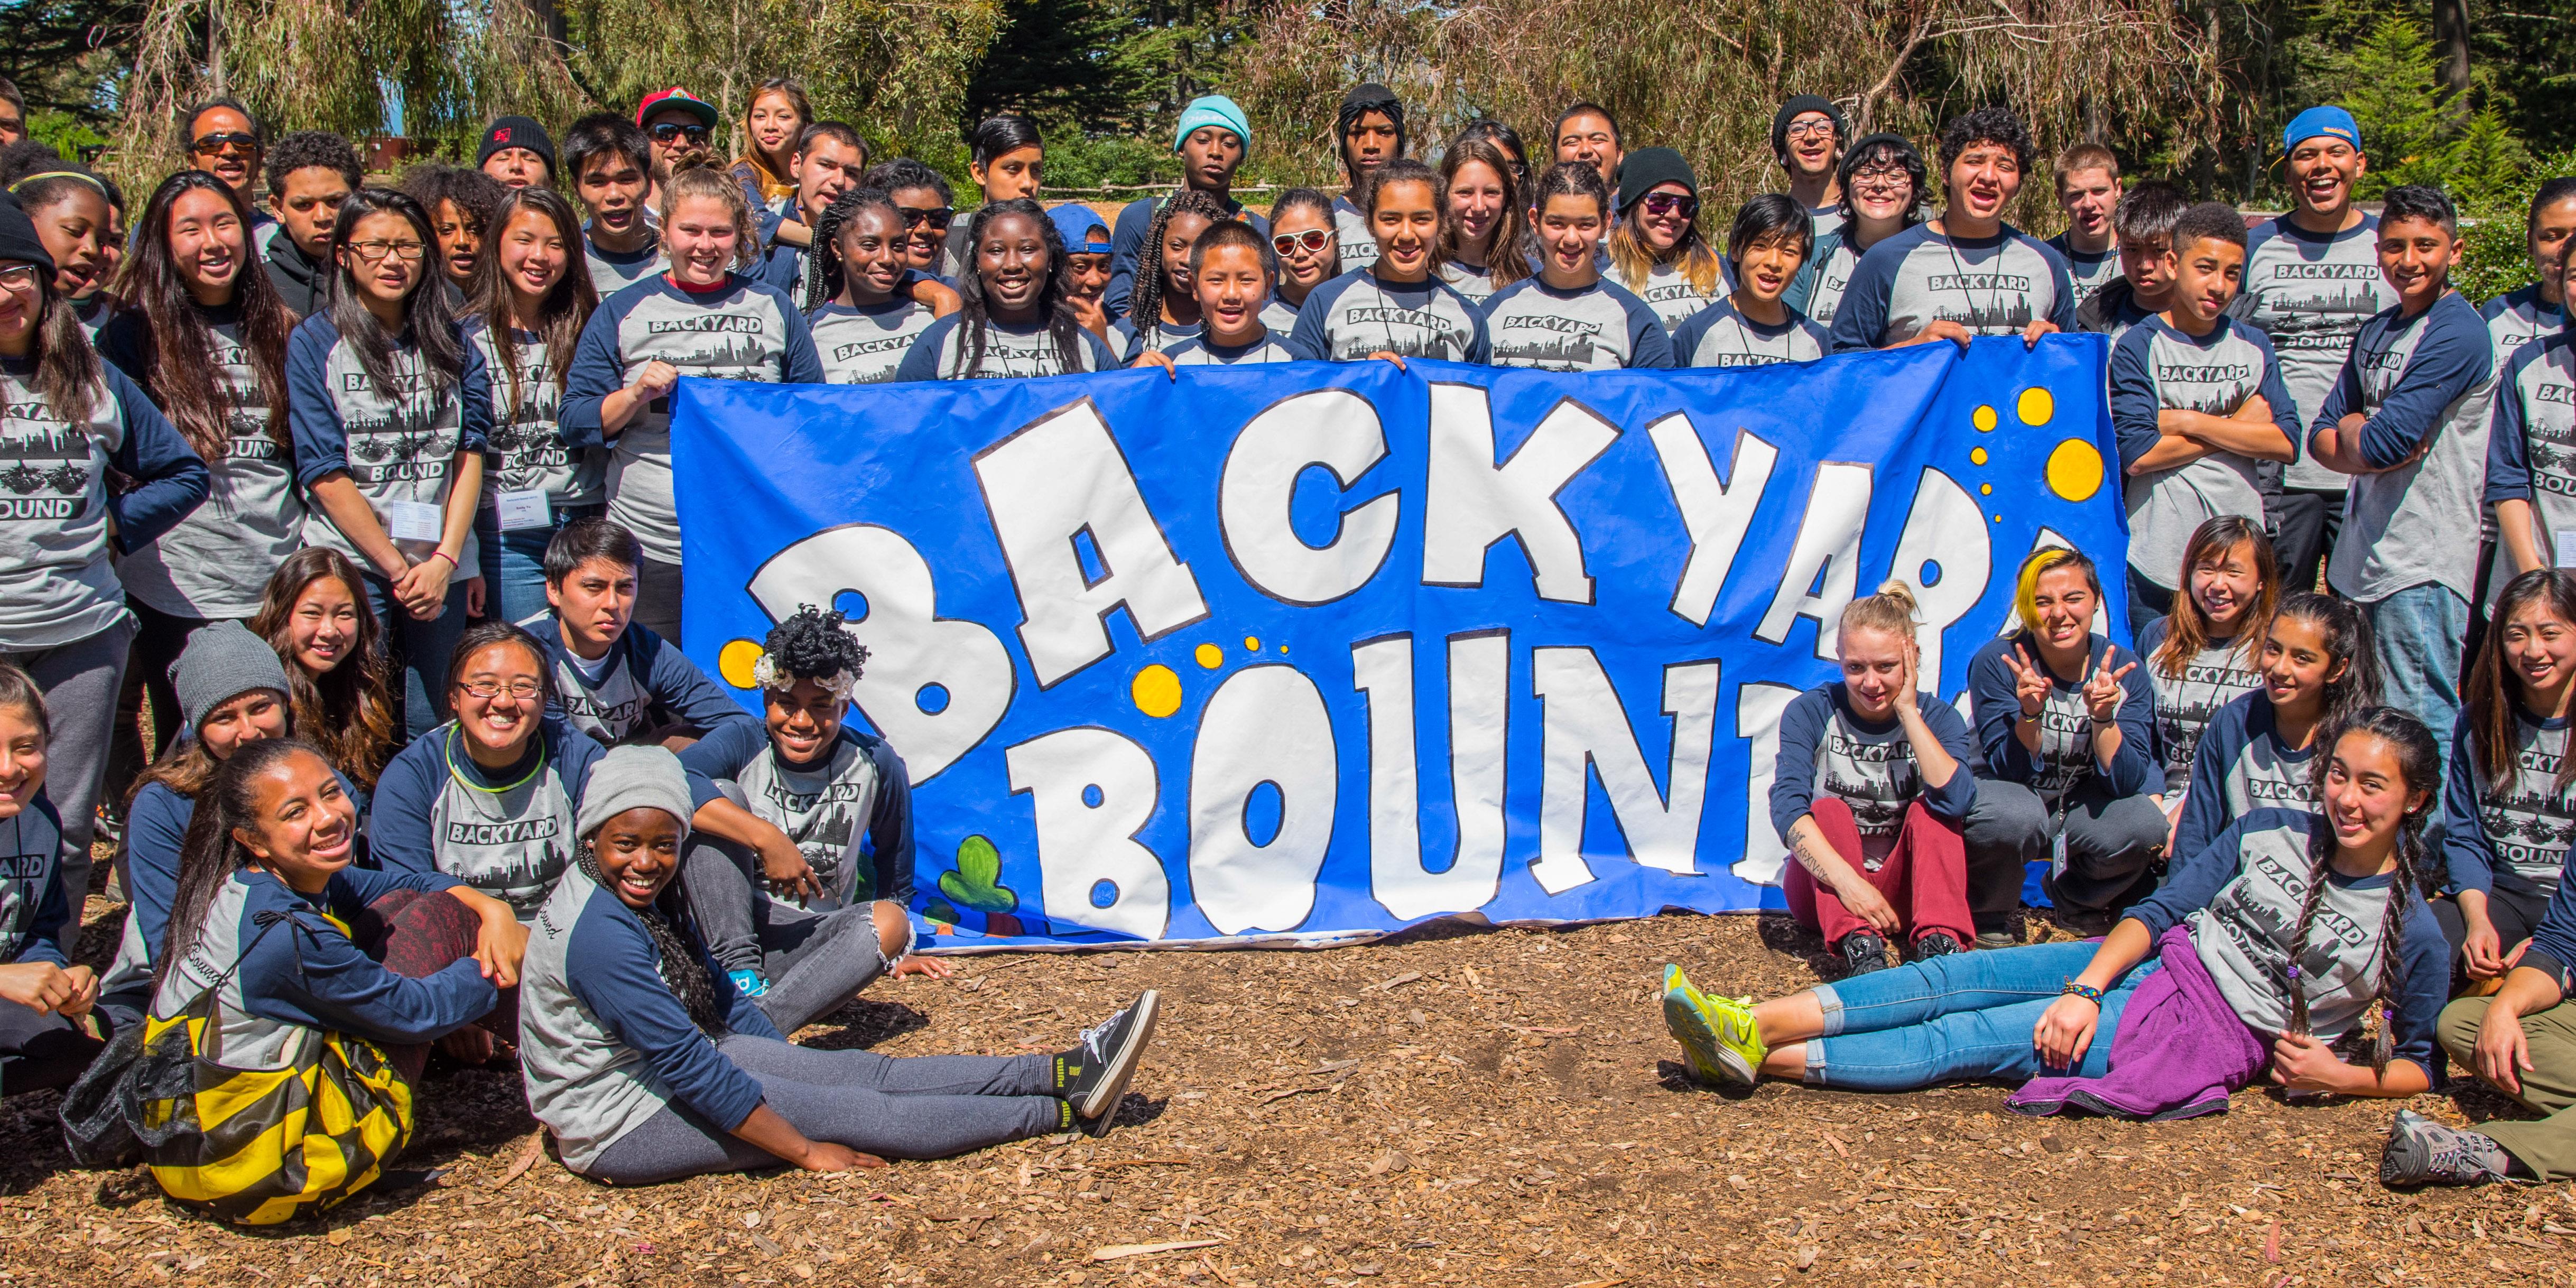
(226, 142)
(665, 131)
(935, 216)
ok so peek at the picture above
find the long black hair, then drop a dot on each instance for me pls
(209, 855)
(429, 326)
(2419, 762)
(976, 313)
(2346, 632)
(67, 369)
(2494, 692)
(823, 272)
(1145, 311)
(561, 315)
(179, 350)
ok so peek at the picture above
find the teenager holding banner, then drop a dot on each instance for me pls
(1870, 790)
(1489, 232)
(1966, 273)
(1396, 307)
(530, 300)
(1657, 248)
(1883, 186)
(391, 411)
(704, 317)
(1212, 139)
(2066, 743)
(1567, 318)
(1230, 269)
(1370, 132)
(867, 320)
(1165, 310)
(1014, 321)
(1753, 326)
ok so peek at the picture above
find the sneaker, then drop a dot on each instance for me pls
(1093, 1076)
(1937, 944)
(749, 983)
(2423, 1152)
(1862, 952)
(1717, 1034)
(1997, 939)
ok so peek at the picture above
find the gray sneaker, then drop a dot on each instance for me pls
(1997, 939)
(1094, 1075)
(2423, 1152)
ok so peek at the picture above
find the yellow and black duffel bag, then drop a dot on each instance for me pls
(261, 1146)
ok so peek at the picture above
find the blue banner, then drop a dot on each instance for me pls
(1314, 652)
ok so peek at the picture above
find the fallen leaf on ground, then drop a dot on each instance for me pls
(528, 1155)
(1116, 1251)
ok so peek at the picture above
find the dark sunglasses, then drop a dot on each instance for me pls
(665, 131)
(226, 143)
(935, 216)
(1665, 203)
(1311, 239)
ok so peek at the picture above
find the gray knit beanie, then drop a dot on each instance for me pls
(221, 663)
(635, 778)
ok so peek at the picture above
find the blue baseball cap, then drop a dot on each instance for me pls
(1074, 222)
(2327, 121)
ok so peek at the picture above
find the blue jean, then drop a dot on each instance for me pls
(419, 650)
(2421, 631)
(514, 562)
(1966, 1015)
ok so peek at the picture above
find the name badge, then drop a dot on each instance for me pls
(413, 521)
(2566, 547)
(525, 509)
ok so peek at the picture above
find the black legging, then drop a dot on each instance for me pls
(40, 1052)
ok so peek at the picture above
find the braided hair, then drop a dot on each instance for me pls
(1145, 312)
(2419, 762)
(823, 261)
(814, 644)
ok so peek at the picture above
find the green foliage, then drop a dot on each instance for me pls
(1100, 161)
(68, 135)
(2387, 82)
(2495, 255)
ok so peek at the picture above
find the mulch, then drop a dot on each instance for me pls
(1455, 1106)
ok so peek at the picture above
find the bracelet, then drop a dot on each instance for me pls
(441, 554)
(2085, 991)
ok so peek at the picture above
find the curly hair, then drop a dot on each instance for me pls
(811, 645)
(1993, 123)
(313, 150)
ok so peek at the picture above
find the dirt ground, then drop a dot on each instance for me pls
(1459, 1106)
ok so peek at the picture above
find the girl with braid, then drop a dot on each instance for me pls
(1165, 310)
(648, 1065)
(2292, 934)
(859, 270)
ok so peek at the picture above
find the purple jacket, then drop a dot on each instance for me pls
(2179, 1052)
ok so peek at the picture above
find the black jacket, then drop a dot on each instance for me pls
(302, 281)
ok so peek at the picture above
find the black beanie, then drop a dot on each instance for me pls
(516, 132)
(18, 238)
(1364, 98)
(1797, 106)
(1647, 167)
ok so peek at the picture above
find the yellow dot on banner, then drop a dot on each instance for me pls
(1999, 518)
(1976, 456)
(1157, 691)
(1984, 420)
(2037, 407)
(735, 661)
(1209, 656)
(1283, 648)
(1252, 642)
(1985, 489)
(2075, 470)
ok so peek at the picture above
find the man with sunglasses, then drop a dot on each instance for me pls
(928, 207)
(681, 126)
(309, 174)
(1807, 139)
(223, 139)
(1212, 138)
(610, 163)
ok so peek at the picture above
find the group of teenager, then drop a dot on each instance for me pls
(364, 492)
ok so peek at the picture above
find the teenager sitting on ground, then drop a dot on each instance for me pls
(2265, 951)
(2508, 813)
(614, 679)
(2259, 750)
(843, 798)
(47, 1035)
(1870, 788)
(648, 1065)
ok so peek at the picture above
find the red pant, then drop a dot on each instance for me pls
(1925, 877)
(416, 935)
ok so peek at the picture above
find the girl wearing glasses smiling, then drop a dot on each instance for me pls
(1308, 244)
(389, 407)
(1882, 185)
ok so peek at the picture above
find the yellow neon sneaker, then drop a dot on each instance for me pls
(1717, 1033)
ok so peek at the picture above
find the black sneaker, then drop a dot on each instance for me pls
(1937, 944)
(1093, 1076)
(1863, 952)
(2423, 1152)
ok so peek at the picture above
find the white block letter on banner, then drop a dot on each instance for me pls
(1054, 480)
(1265, 724)
(1081, 844)
(910, 647)
(1479, 703)
(1945, 528)
(1476, 501)
(1333, 428)
(1758, 707)
(1828, 541)
(1586, 730)
(1716, 515)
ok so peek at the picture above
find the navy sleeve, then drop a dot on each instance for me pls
(803, 363)
(309, 972)
(726, 749)
(1954, 798)
(123, 344)
(2454, 354)
(1306, 339)
(1101, 357)
(2553, 941)
(2466, 851)
(2135, 402)
(577, 753)
(890, 825)
(399, 833)
(679, 686)
(1650, 346)
(1126, 246)
(1811, 270)
(169, 480)
(598, 369)
(473, 399)
(2133, 767)
(2276, 394)
(2424, 988)
(742, 1014)
(1480, 349)
(1861, 321)
(921, 361)
(312, 415)
(1793, 770)
(1991, 699)
(2508, 444)
(610, 965)
(2222, 741)
(353, 888)
(2198, 876)
(155, 827)
(1824, 340)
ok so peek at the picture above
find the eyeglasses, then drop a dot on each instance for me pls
(17, 277)
(1801, 129)
(1665, 203)
(491, 688)
(935, 216)
(374, 252)
(1886, 179)
(1311, 239)
(226, 143)
(665, 131)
